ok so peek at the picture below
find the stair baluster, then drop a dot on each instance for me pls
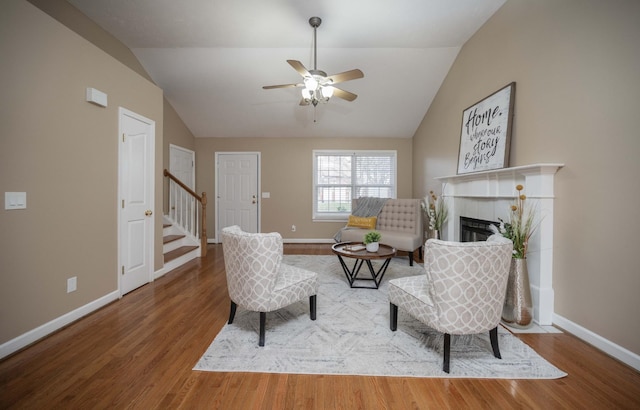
(188, 210)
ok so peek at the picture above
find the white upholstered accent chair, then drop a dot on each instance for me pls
(257, 280)
(462, 291)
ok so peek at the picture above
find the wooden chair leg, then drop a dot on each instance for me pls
(420, 252)
(447, 351)
(493, 335)
(263, 320)
(410, 258)
(232, 312)
(312, 307)
(393, 317)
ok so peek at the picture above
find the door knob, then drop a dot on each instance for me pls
(148, 212)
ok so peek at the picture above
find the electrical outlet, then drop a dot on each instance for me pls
(72, 284)
(293, 228)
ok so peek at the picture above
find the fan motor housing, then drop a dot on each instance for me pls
(318, 73)
(315, 22)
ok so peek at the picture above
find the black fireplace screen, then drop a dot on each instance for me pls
(475, 230)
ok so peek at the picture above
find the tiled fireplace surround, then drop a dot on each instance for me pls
(489, 195)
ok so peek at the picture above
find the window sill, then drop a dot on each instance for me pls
(334, 219)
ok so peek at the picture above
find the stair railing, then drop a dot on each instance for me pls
(188, 210)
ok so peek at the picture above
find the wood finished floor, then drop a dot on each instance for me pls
(138, 352)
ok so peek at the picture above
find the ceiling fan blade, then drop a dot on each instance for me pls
(345, 95)
(346, 76)
(269, 87)
(297, 65)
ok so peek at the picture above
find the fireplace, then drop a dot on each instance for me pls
(475, 230)
(488, 196)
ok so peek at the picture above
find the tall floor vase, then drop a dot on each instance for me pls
(518, 308)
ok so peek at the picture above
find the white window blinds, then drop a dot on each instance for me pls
(340, 176)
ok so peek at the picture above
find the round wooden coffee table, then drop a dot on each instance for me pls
(357, 251)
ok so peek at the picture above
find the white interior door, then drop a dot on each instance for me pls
(237, 188)
(182, 163)
(136, 205)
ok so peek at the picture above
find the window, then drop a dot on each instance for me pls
(339, 176)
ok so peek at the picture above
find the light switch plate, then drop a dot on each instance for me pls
(15, 200)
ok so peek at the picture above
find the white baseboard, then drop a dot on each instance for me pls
(38, 333)
(291, 240)
(607, 346)
(297, 240)
(159, 273)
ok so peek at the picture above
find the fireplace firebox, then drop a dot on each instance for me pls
(475, 230)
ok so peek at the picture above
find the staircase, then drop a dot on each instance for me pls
(177, 246)
(185, 226)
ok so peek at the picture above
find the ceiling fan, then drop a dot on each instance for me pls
(317, 85)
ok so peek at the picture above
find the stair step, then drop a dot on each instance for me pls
(166, 225)
(176, 253)
(171, 238)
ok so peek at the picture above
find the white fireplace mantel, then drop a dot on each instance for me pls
(488, 195)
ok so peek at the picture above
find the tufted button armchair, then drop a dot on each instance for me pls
(257, 280)
(462, 291)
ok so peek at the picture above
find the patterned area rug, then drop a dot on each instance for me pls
(351, 336)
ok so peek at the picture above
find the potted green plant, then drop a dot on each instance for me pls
(372, 241)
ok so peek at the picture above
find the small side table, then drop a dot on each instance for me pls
(356, 251)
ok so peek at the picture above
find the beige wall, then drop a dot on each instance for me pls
(576, 65)
(287, 176)
(175, 131)
(63, 152)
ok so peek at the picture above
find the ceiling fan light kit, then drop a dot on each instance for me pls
(318, 87)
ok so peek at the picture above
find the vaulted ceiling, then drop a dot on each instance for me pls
(212, 57)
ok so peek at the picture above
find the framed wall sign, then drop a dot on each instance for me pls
(486, 132)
